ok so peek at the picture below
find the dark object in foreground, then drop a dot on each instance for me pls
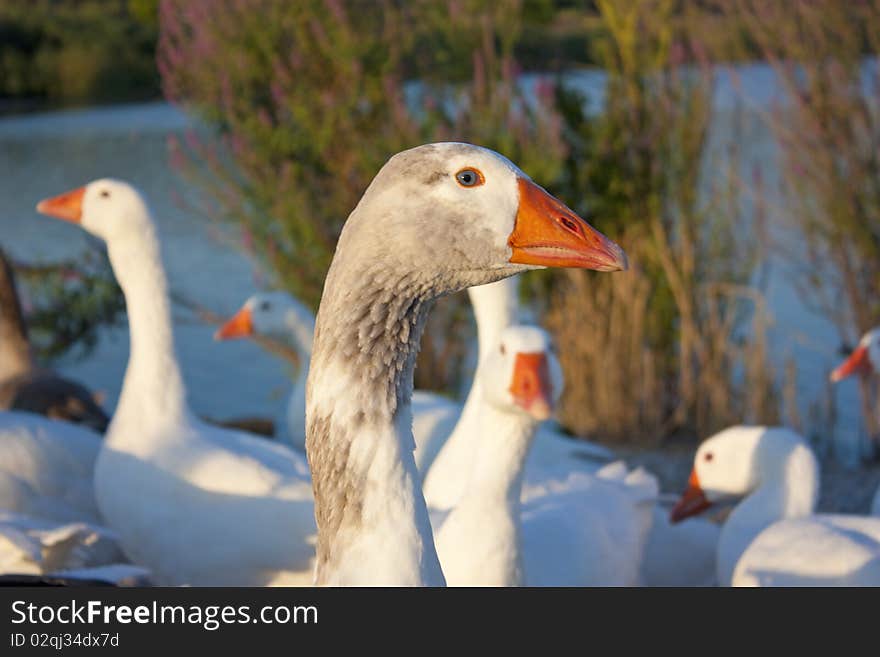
(26, 387)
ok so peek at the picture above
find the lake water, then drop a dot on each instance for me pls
(44, 154)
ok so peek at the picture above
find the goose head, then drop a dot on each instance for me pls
(735, 462)
(522, 375)
(464, 215)
(264, 314)
(110, 209)
(865, 358)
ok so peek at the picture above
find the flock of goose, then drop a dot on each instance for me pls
(373, 483)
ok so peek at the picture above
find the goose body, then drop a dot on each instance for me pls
(47, 468)
(436, 219)
(26, 387)
(588, 529)
(773, 537)
(194, 503)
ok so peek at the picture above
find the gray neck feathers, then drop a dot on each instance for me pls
(368, 330)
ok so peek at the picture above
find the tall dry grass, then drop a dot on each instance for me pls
(679, 343)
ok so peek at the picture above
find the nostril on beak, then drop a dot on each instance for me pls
(568, 223)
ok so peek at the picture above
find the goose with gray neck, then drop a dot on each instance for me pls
(436, 219)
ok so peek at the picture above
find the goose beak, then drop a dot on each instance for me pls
(240, 325)
(857, 363)
(66, 206)
(531, 387)
(692, 502)
(549, 234)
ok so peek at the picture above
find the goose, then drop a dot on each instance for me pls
(26, 387)
(436, 219)
(561, 538)
(193, 503)
(864, 361)
(478, 541)
(279, 316)
(773, 537)
(496, 307)
(47, 467)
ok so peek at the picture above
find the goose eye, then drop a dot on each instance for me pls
(265, 306)
(469, 178)
(708, 457)
(503, 350)
(105, 193)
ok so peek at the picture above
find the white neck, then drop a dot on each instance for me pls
(495, 308)
(789, 488)
(153, 390)
(479, 543)
(300, 324)
(299, 331)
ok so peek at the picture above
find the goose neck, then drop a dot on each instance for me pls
(502, 447)
(153, 387)
(372, 520)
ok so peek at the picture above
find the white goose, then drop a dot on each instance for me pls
(436, 219)
(194, 503)
(552, 455)
(864, 361)
(277, 315)
(773, 537)
(281, 317)
(580, 533)
(479, 541)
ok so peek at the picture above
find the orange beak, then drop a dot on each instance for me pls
(548, 233)
(857, 363)
(240, 325)
(66, 206)
(531, 387)
(692, 502)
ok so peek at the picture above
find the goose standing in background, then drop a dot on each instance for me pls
(772, 537)
(552, 455)
(863, 361)
(570, 535)
(193, 503)
(436, 219)
(277, 315)
(26, 387)
(479, 540)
